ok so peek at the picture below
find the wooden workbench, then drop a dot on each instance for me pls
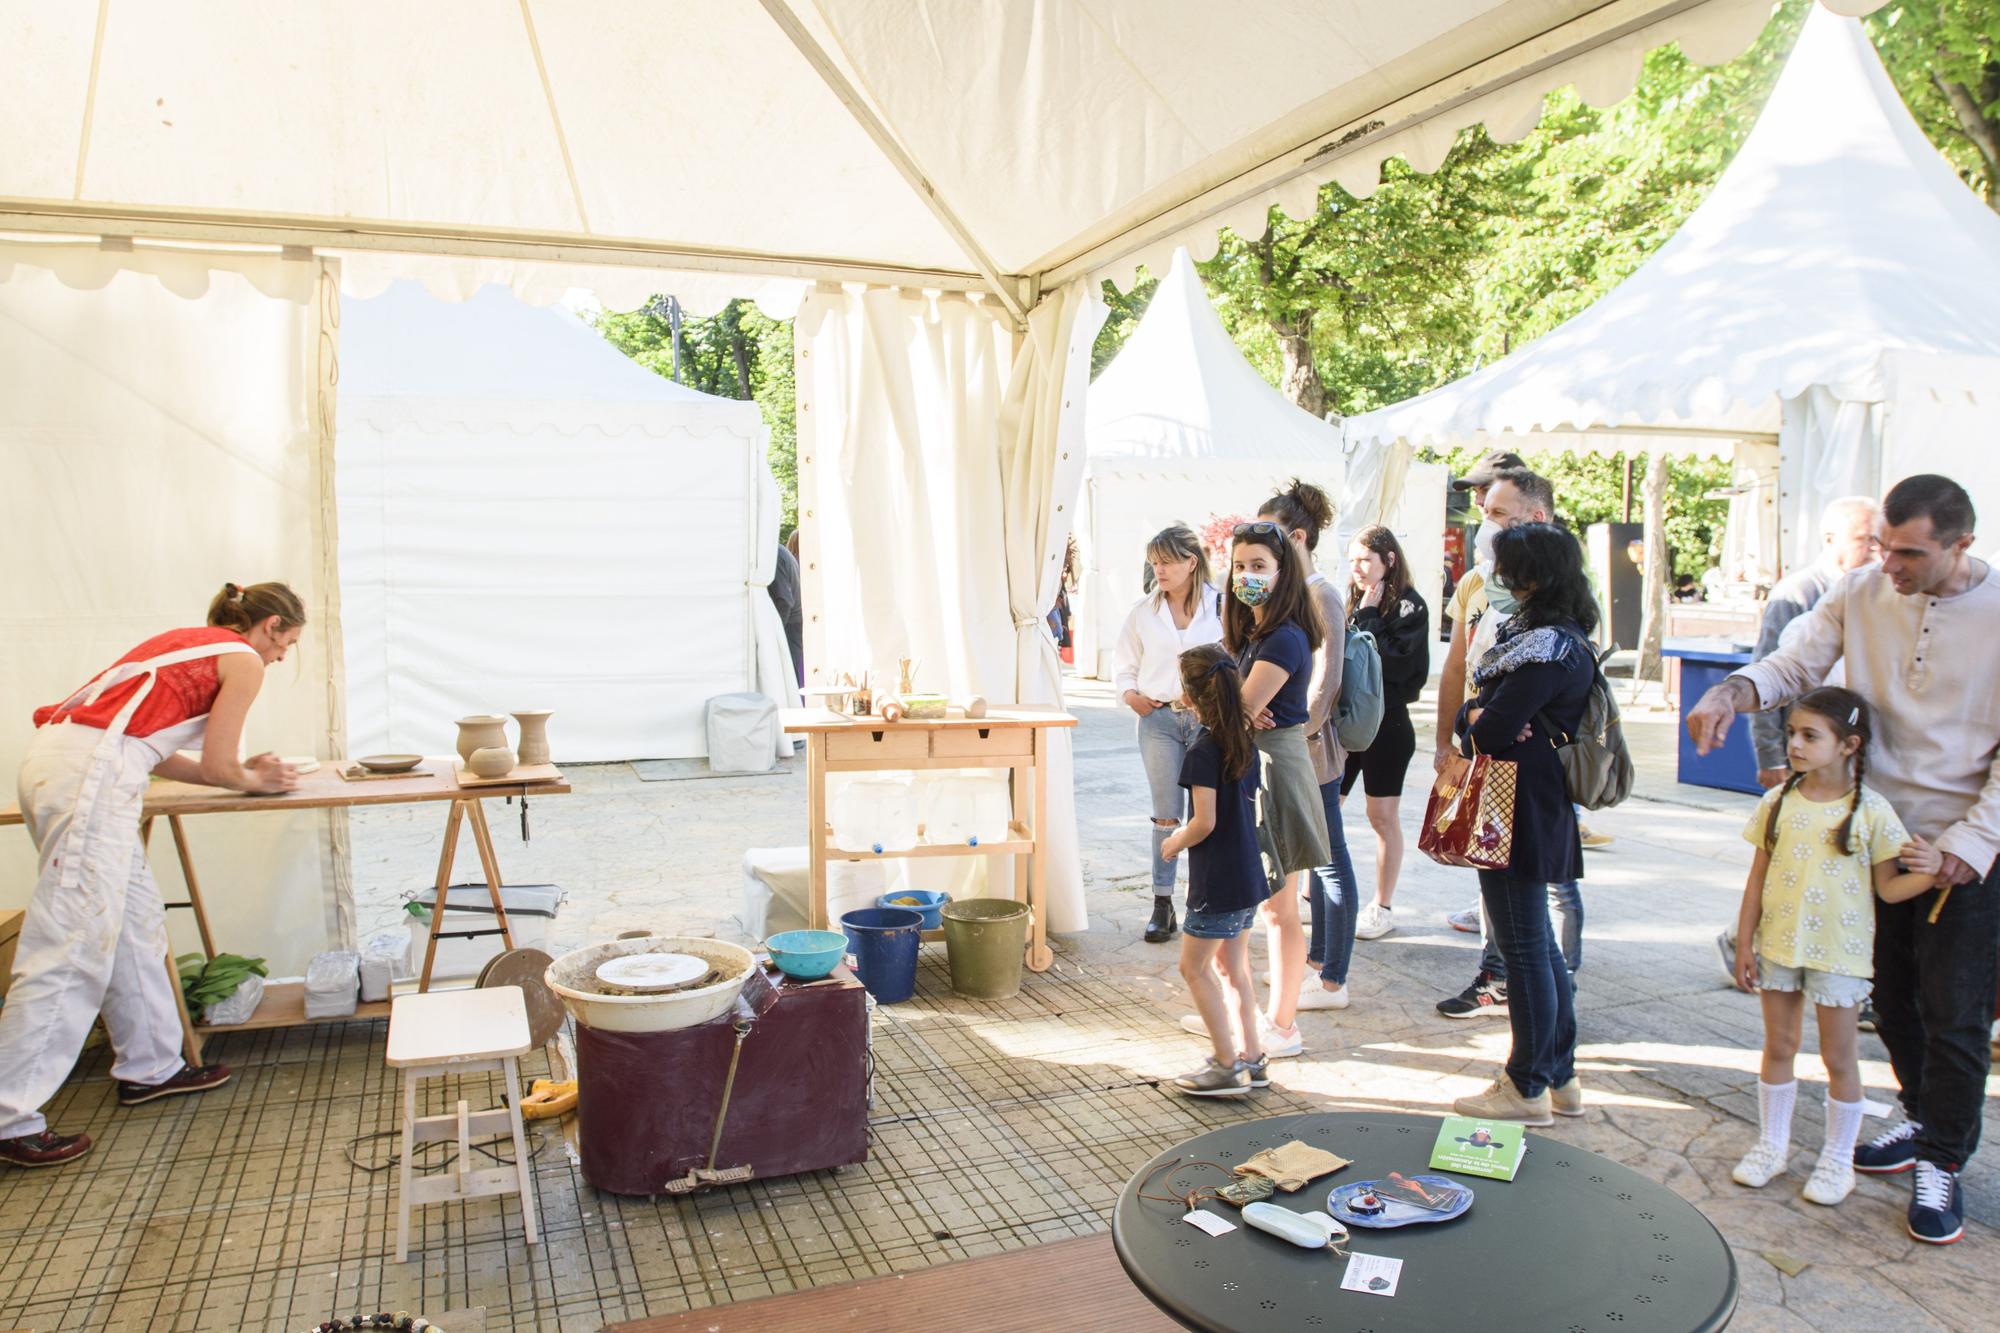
(1015, 739)
(324, 789)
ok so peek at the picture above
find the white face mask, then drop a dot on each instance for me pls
(1482, 544)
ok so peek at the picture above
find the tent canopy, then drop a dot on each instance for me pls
(1007, 147)
(1837, 236)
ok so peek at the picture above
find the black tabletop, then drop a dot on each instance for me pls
(1575, 1243)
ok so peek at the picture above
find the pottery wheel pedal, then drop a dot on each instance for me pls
(702, 1177)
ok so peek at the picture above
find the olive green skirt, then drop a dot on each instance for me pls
(1291, 815)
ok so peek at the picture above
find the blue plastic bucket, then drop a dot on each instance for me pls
(930, 903)
(883, 942)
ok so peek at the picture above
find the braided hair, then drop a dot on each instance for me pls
(1845, 714)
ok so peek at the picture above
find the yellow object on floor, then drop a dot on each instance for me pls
(1292, 1164)
(548, 1099)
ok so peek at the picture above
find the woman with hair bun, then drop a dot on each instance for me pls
(94, 938)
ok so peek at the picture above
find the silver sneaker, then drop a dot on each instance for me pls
(1215, 1079)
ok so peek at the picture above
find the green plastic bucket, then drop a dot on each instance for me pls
(984, 939)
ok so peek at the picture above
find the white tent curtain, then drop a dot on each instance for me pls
(1750, 536)
(1042, 458)
(161, 433)
(1828, 447)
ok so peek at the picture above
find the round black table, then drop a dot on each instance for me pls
(1575, 1243)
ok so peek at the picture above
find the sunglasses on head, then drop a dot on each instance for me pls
(1260, 528)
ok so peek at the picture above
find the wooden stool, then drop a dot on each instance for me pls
(441, 1033)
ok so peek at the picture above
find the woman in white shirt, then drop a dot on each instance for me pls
(1180, 613)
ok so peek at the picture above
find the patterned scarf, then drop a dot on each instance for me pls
(1529, 647)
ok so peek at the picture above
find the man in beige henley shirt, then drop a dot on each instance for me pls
(1917, 633)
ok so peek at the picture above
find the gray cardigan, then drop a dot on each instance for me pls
(1322, 738)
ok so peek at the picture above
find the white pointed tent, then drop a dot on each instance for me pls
(1833, 297)
(1017, 152)
(1178, 428)
(529, 519)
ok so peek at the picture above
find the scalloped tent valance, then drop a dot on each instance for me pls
(957, 147)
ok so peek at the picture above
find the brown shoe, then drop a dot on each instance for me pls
(192, 1078)
(43, 1149)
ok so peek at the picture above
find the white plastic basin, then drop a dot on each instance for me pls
(570, 977)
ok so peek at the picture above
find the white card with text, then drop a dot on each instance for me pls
(1209, 1222)
(1373, 1273)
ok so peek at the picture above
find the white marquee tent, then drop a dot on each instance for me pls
(1179, 428)
(530, 519)
(879, 158)
(1828, 312)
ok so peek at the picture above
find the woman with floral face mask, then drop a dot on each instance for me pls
(1271, 624)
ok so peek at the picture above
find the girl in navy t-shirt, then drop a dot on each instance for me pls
(1225, 876)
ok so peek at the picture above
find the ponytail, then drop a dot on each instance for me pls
(1300, 507)
(1213, 684)
(239, 608)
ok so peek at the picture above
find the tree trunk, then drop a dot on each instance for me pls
(1972, 122)
(1653, 604)
(736, 345)
(1301, 382)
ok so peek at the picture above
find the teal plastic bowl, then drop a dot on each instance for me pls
(807, 955)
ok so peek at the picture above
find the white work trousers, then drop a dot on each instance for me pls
(101, 946)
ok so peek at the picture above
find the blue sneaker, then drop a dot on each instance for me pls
(1937, 1209)
(1892, 1151)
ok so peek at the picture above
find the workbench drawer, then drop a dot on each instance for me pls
(890, 743)
(993, 743)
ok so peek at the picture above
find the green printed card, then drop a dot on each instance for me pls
(1490, 1148)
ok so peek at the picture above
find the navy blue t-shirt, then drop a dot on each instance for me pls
(1225, 873)
(1285, 648)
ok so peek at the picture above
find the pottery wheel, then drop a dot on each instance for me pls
(525, 968)
(652, 973)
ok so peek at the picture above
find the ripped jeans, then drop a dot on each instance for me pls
(1165, 737)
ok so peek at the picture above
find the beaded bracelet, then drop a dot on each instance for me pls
(402, 1320)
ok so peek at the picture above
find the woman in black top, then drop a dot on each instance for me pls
(1533, 685)
(1381, 601)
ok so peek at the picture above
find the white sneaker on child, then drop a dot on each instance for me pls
(1279, 1044)
(1832, 1180)
(1761, 1165)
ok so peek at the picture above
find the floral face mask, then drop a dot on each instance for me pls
(1253, 589)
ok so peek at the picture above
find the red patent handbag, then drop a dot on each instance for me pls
(1471, 823)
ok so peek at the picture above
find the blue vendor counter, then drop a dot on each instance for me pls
(1703, 663)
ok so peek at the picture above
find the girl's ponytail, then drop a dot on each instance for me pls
(237, 607)
(1212, 683)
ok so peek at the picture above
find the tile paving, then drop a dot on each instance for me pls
(996, 1125)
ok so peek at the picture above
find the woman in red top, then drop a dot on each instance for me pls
(94, 938)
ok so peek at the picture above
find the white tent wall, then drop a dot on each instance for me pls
(570, 532)
(160, 433)
(1418, 522)
(1946, 418)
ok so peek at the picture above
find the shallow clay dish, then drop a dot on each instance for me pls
(389, 763)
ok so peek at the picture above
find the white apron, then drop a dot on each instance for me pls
(94, 938)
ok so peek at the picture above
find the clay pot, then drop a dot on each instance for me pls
(479, 731)
(494, 761)
(534, 735)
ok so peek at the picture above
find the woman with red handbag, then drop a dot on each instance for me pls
(1532, 686)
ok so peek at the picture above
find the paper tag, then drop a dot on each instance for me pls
(1373, 1273)
(1209, 1222)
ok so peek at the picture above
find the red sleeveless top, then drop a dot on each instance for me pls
(185, 690)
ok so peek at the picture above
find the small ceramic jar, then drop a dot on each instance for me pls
(494, 761)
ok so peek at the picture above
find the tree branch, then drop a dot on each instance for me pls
(1973, 124)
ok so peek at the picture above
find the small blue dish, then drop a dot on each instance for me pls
(807, 955)
(929, 904)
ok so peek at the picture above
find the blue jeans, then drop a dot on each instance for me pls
(1565, 902)
(1165, 737)
(1540, 1009)
(1330, 893)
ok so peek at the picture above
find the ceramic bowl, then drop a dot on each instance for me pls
(495, 761)
(389, 763)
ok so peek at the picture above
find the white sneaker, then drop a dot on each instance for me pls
(1466, 921)
(1760, 1165)
(1192, 1025)
(1314, 995)
(1279, 1045)
(1373, 922)
(1831, 1181)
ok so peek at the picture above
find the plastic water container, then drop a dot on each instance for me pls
(874, 814)
(967, 809)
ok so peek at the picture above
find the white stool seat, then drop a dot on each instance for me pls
(437, 1034)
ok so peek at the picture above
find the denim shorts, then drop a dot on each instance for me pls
(1217, 925)
(1830, 990)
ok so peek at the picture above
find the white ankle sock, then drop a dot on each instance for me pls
(1774, 1112)
(1843, 1127)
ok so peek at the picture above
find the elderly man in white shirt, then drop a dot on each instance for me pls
(1916, 636)
(1180, 613)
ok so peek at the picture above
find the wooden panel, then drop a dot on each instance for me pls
(323, 789)
(1071, 1284)
(821, 720)
(884, 745)
(284, 1006)
(1009, 742)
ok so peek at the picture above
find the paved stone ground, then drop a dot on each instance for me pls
(996, 1126)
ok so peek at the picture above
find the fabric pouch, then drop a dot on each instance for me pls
(1292, 1164)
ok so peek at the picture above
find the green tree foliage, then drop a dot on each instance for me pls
(739, 352)
(1590, 488)
(1945, 58)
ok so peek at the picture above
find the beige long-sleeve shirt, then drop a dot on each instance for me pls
(1925, 666)
(1323, 693)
